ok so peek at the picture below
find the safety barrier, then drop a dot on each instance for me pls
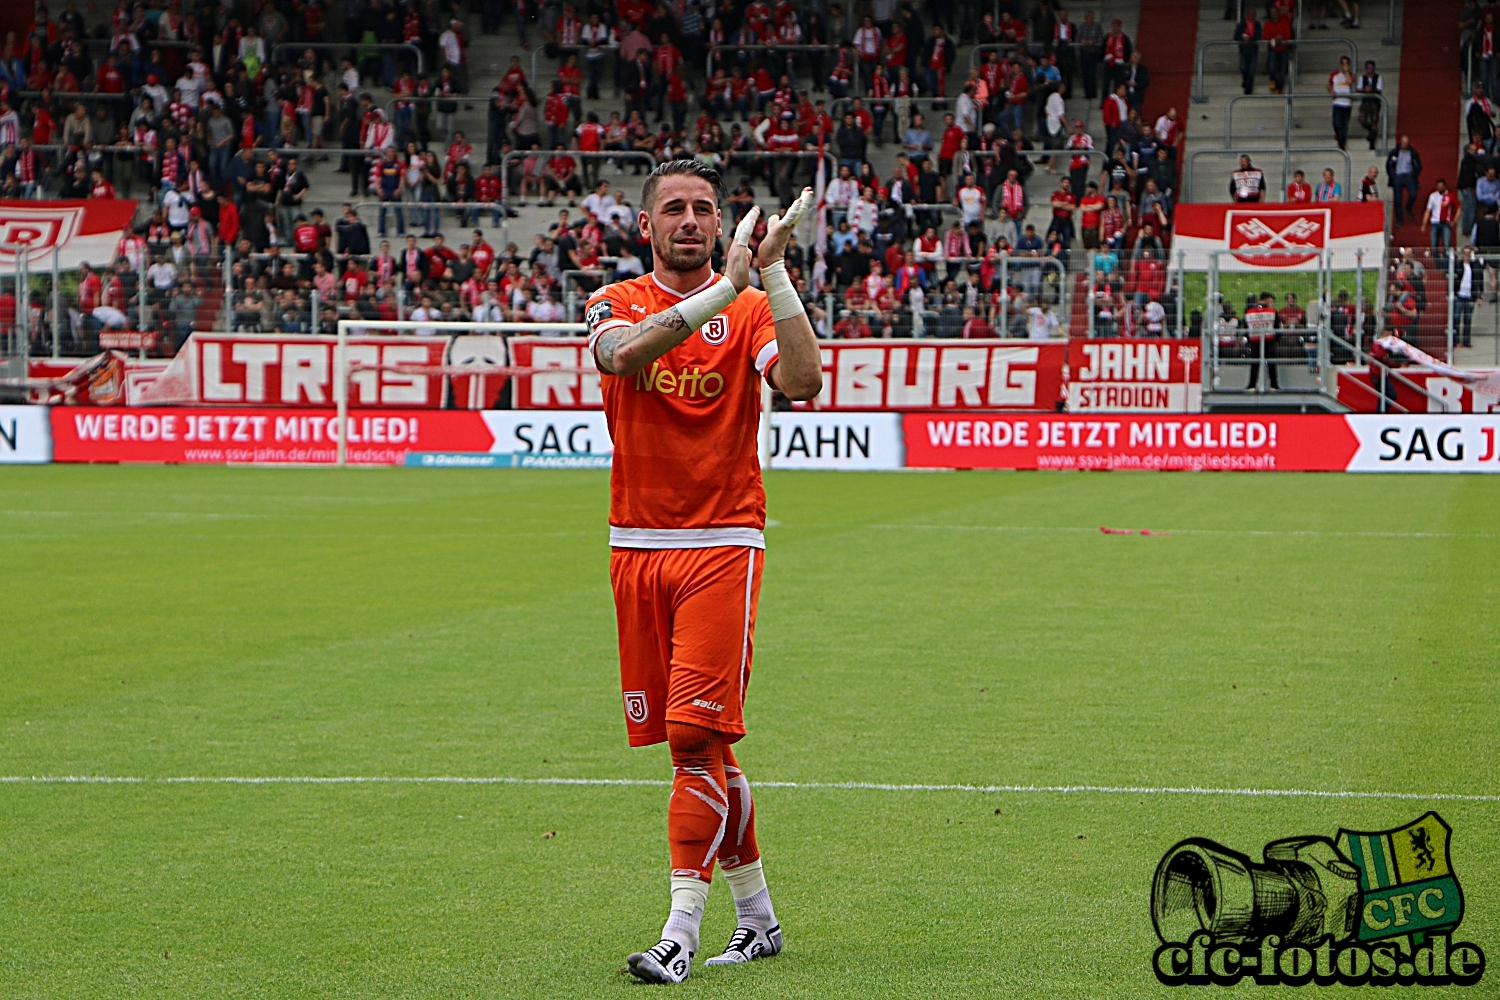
(1200, 91)
(1286, 165)
(354, 47)
(1290, 99)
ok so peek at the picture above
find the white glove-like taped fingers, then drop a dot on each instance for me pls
(747, 226)
(800, 207)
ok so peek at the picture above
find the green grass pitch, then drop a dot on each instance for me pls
(1321, 632)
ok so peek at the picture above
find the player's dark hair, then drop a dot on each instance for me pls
(680, 168)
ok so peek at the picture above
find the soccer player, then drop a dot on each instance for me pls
(683, 351)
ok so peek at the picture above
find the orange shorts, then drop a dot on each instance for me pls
(687, 626)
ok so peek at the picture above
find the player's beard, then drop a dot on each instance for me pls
(682, 258)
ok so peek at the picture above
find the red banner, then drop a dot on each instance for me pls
(1196, 443)
(1360, 391)
(942, 374)
(220, 369)
(1279, 236)
(857, 375)
(565, 390)
(224, 435)
(1134, 376)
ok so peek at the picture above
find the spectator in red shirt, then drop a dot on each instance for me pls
(1277, 31)
(665, 59)
(852, 326)
(562, 177)
(109, 79)
(487, 189)
(1091, 210)
(953, 136)
(975, 328)
(677, 100)
(1299, 191)
(1064, 204)
(90, 288)
(101, 189)
(555, 114)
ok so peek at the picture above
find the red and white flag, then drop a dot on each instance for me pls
(81, 231)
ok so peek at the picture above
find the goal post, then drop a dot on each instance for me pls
(346, 327)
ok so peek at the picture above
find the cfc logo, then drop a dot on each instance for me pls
(689, 382)
(636, 709)
(715, 330)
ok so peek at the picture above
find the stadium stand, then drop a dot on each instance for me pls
(519, 119)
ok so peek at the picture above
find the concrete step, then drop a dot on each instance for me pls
(1261, 124)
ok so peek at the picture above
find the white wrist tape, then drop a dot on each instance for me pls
(696, 310)
(746, 227)
(785, 302)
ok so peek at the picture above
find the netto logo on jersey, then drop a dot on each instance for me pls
(1362, 908)
(689, 383)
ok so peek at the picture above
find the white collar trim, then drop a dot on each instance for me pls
(682, 295)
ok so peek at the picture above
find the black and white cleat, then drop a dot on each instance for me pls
(667, 962)
(747, 944)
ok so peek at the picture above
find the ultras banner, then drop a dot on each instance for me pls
(858, 375)
(216, 369)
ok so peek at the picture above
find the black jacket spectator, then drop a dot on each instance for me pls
(354, 238)
(1391, 160)
(851, 142)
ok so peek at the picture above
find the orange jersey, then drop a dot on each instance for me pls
(686, 471)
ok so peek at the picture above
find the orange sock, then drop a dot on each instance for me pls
(739, 847)
(698, 815)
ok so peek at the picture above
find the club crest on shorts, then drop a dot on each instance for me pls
(715, 331)
(636, 708)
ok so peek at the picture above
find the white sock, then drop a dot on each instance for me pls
(752, 900)
(689, 897)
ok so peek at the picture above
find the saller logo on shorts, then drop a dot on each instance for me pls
(712, 706)
(636, 709)
(1360, 908)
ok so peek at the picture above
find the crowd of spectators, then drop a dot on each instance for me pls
(922, 249)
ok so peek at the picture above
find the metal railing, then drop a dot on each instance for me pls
(108, 43)
(73, 95)
(708, 62)
(352, 47)
(1200, 92)
(1286, 165)
(1287, 119)
(581, 51)
(1005, 48)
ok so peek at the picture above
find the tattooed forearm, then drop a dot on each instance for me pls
(627, 349)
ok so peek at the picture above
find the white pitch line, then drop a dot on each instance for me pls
(859, 786)
(1185, 531)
